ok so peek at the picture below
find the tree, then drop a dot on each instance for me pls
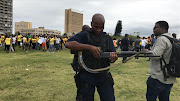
(118, 28)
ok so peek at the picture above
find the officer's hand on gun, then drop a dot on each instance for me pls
(146, 50)
(96, 52)
(113, 57)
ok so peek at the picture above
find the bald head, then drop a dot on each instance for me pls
(98, 17)
(97, 24)
(85, 27)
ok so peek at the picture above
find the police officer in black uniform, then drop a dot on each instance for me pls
(92, 42)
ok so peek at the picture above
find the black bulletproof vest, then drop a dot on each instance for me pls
(104, 42)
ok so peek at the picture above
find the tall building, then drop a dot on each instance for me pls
(6, 16)
(73, 21)
(22, 25)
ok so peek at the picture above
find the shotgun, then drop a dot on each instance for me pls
(130, 54)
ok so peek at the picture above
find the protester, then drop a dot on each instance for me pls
(30, 38)
(19, 40)
(174, 35)
(33, 42)
(61, 43)
(125, 45)
(51, 44)
(37, 42)
(131, 43)
(0, 42)
(2, 39)
(119, 45)
(157, 86)
(8, 41)
(89, 42)
(152, 40)
(64, 40)
(54, 41)
(143, 43)
(40, 41)
(137, 44)
(148, 45)
(115, 42)
(47, 41)
(14, 42)
(44, 47)
(24, 42)
(58, 40)
(27, 42)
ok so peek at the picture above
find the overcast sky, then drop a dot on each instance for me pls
(136, 15)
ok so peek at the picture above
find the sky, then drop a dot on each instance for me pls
(136, 15)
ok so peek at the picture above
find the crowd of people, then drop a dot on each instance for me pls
(50, 43)
(32, 42)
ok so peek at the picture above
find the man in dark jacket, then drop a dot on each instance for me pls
(125, 45)
(92, 43)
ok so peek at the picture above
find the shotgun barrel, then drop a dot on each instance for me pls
(129, 54)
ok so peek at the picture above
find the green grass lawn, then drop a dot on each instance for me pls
(41, 76)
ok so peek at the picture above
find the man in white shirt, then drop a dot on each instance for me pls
(13, 42)
(24, 42)
(143, 43)
(44, 47)
(57, 42)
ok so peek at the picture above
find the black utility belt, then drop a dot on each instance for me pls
(82, 70)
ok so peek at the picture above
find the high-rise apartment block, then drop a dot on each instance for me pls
(73, 21)
(6, 16)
